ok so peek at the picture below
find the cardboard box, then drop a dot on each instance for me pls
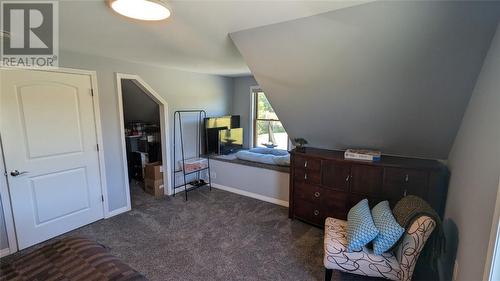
(153, 171)
(154, 187)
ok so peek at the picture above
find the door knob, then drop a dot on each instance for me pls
(16, 173)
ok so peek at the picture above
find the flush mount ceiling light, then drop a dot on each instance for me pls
(148, 10)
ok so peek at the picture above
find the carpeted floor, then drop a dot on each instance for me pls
(214, 236)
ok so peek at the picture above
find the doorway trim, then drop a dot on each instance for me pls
(12, 236)
(7, 210)
(164, 125)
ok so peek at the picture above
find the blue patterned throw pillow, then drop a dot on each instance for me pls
(360, 227)
(389, 229)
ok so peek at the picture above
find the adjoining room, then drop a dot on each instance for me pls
(143, 143)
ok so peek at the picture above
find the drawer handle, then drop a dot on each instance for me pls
(316, 212)
(405, 193)
(305, 164)
(317, 194)
(407, 178)
(347, 178)
(305, 176)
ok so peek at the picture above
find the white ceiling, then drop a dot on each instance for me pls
(195, 38)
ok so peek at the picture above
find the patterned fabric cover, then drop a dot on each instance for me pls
(76, 259)
(398, 266)
(413, 242)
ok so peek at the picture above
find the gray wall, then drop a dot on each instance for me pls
(241, 103)
(182, 90)
(258, 181)
(4, 241)
(137, 105)
(395, 76)
(475, 167)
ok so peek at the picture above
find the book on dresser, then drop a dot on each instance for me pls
(362, 154)
(325, 184)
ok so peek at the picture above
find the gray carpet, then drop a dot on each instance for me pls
(214, 236)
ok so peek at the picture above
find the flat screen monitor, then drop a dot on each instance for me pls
(213, 126)
(232, 121)
(231, 140)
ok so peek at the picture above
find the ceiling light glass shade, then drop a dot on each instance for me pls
(149, 10)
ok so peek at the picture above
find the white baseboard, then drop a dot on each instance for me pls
(251, 194)
(4, 252)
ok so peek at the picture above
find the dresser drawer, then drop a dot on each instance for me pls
(392, 191)
(397, 176)
(309, 212)
(307, 176)
(308, 192)
(335, 175)
(401, 182)
(307, 163)
(366, 179)
(355, 198)
(335, 204)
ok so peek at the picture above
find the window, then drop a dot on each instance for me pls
(268, 130)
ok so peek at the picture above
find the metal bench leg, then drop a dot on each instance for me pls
(328, 274)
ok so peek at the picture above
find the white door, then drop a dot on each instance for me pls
(50, 147)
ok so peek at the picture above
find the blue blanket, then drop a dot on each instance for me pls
(264, 155)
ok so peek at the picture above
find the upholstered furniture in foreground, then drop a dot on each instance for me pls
(69, 259)
(396, 265)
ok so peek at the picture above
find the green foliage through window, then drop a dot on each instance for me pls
(268, 128)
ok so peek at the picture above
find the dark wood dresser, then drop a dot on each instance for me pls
(324, 184)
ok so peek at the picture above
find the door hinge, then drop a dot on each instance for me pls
(92, 92)
(97, 146)
(102, 198)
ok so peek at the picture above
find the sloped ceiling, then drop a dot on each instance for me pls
(194, 38)
(137, 105)
(394, 76)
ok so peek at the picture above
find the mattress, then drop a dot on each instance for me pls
(72, 258)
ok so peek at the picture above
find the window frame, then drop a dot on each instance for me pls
(255, 117)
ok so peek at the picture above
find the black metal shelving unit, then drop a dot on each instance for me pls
(201, 115)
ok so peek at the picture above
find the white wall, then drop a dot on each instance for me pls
(389, 75)
(474, 162)
(182, 90)
(241, 103)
